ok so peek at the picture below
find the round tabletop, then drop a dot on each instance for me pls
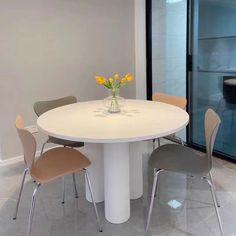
(91, 122)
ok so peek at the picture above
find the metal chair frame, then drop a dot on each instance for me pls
(34, 195)
(213, 193)
(37, 169)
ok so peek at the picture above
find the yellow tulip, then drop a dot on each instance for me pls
(100, 79)
(128, 75)
(116, 76)
(129, 78)
(110, 80)
(123, 80)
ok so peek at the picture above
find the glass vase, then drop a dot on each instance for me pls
(113, 102)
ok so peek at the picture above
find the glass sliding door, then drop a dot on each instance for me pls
(168, 39)
(213, 76)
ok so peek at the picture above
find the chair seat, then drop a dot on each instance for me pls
(58, 162)
(178, 158)
(64, 142)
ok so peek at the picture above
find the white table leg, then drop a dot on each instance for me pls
(136, 170)
(116, 182)
(94, 152)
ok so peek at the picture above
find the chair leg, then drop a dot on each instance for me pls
(41, 153)
(215, 205)
(152, 200)
(20, 193)
(31, 215)
(154, 141)
(153, 144)
(63, 190)
(94, 204)
(159, 142)
(180, 140)
(75, 188)
(155, 170)
(214, 189)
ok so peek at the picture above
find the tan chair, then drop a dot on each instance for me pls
(178, 101)
(181, 159)
(53, 164)
(44, 106)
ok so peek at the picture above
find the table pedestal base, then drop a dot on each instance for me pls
(116, 175)
(116, 182)
(136, 170)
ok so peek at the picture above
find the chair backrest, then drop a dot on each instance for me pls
(43, 106)
(178, 101)
(212, 123)
(28, 142)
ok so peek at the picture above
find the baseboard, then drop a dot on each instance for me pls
(11, 160)
(17, 159)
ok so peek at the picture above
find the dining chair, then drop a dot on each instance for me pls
(51, 165)
(41, 107)
(181, 159)
(178, 101)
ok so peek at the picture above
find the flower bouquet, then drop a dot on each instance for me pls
(113, 84)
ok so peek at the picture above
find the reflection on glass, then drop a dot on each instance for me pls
(214, 71)
(217, 54)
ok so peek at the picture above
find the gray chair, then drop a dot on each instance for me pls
(181, 159)
(44, 106)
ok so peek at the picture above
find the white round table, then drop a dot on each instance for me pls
(112, 144)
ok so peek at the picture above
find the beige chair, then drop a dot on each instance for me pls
(53, 164)
(44, 106)
(178, 101)
(181, 159)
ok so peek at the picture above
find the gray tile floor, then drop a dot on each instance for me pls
(194, 217)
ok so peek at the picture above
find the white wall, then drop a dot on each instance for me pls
(54, 48)
(140, 48)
